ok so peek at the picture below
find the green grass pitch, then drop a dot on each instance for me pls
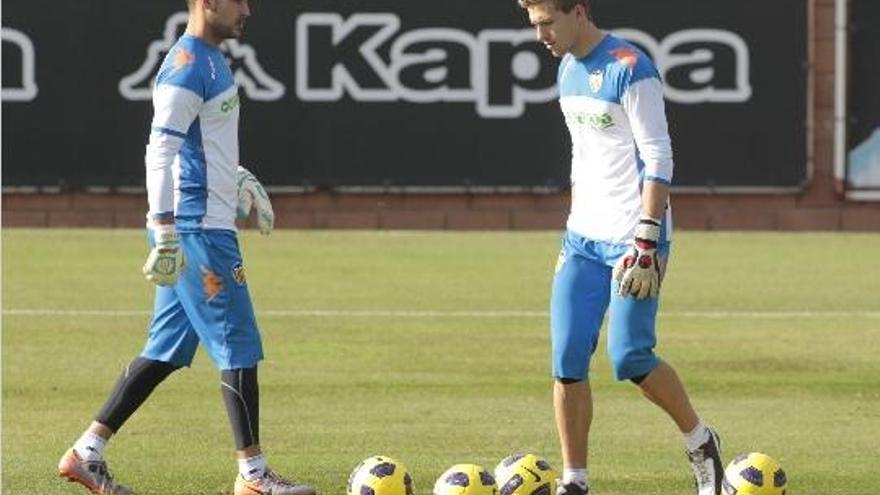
(433, 348)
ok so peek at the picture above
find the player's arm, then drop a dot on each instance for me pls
(175, 109)
(638, 272)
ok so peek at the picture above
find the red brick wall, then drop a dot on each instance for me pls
(818, 207)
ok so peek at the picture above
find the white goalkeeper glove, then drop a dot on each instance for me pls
(252, 193)
(638, 272)
(165, 262)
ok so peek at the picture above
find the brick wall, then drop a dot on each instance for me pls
(818, 207)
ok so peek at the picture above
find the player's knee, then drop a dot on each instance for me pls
(639, 379)
(568, 381)
(634, 365)
(568, 371)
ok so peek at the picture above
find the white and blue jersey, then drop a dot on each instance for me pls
(192, 155)
(612, 100)
(192, 159)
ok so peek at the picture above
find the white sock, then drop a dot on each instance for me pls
(696, 437)
(252, 467)
(90, 447)
(580, 477)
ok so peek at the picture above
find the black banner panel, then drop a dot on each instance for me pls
(863, 160)
(455, 93)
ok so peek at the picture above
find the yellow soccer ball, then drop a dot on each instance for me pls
(466, 479)
(754, 474)
(380, 475)
(525, 474)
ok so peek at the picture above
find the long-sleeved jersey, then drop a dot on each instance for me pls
(192, 155)
(612, 100)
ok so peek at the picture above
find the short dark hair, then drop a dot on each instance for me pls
(563, 5)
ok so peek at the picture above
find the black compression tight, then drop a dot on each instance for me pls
(137, 382)
(242, 397)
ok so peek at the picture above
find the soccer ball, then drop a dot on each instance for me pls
(754, 474)
(380, 475)
(466, 479)
(525, 474)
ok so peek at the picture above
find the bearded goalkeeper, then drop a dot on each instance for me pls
(194, 186)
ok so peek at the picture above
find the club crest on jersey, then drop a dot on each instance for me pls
(596, 79)
(238, 274)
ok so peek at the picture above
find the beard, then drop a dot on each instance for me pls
(228, 31)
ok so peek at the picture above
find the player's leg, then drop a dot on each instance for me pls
(241, 394)
(631, 342)
(703, 446)
(577, 305)
(171, 344)
(219, 305)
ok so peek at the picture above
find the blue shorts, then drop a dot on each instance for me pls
(583, 289)
(208, 304)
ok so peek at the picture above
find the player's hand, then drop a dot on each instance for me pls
(165, 262)
(638, 272)
(251, 193)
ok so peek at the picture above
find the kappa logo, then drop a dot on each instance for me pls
(248, 73)
(25, 87)
(369, 58)
(499, 70)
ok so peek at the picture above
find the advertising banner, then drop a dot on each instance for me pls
(387, 93)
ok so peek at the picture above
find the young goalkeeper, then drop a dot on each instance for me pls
(194, 185)
(618, 233)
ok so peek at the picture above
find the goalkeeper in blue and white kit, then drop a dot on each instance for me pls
(617, 238)
(194, 189)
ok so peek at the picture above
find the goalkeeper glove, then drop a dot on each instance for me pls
(165, 261)
(637, 272)
(252, 193)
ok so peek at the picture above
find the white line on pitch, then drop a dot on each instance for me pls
(402, 313)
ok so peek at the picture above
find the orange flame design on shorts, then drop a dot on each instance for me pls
(212, 283)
